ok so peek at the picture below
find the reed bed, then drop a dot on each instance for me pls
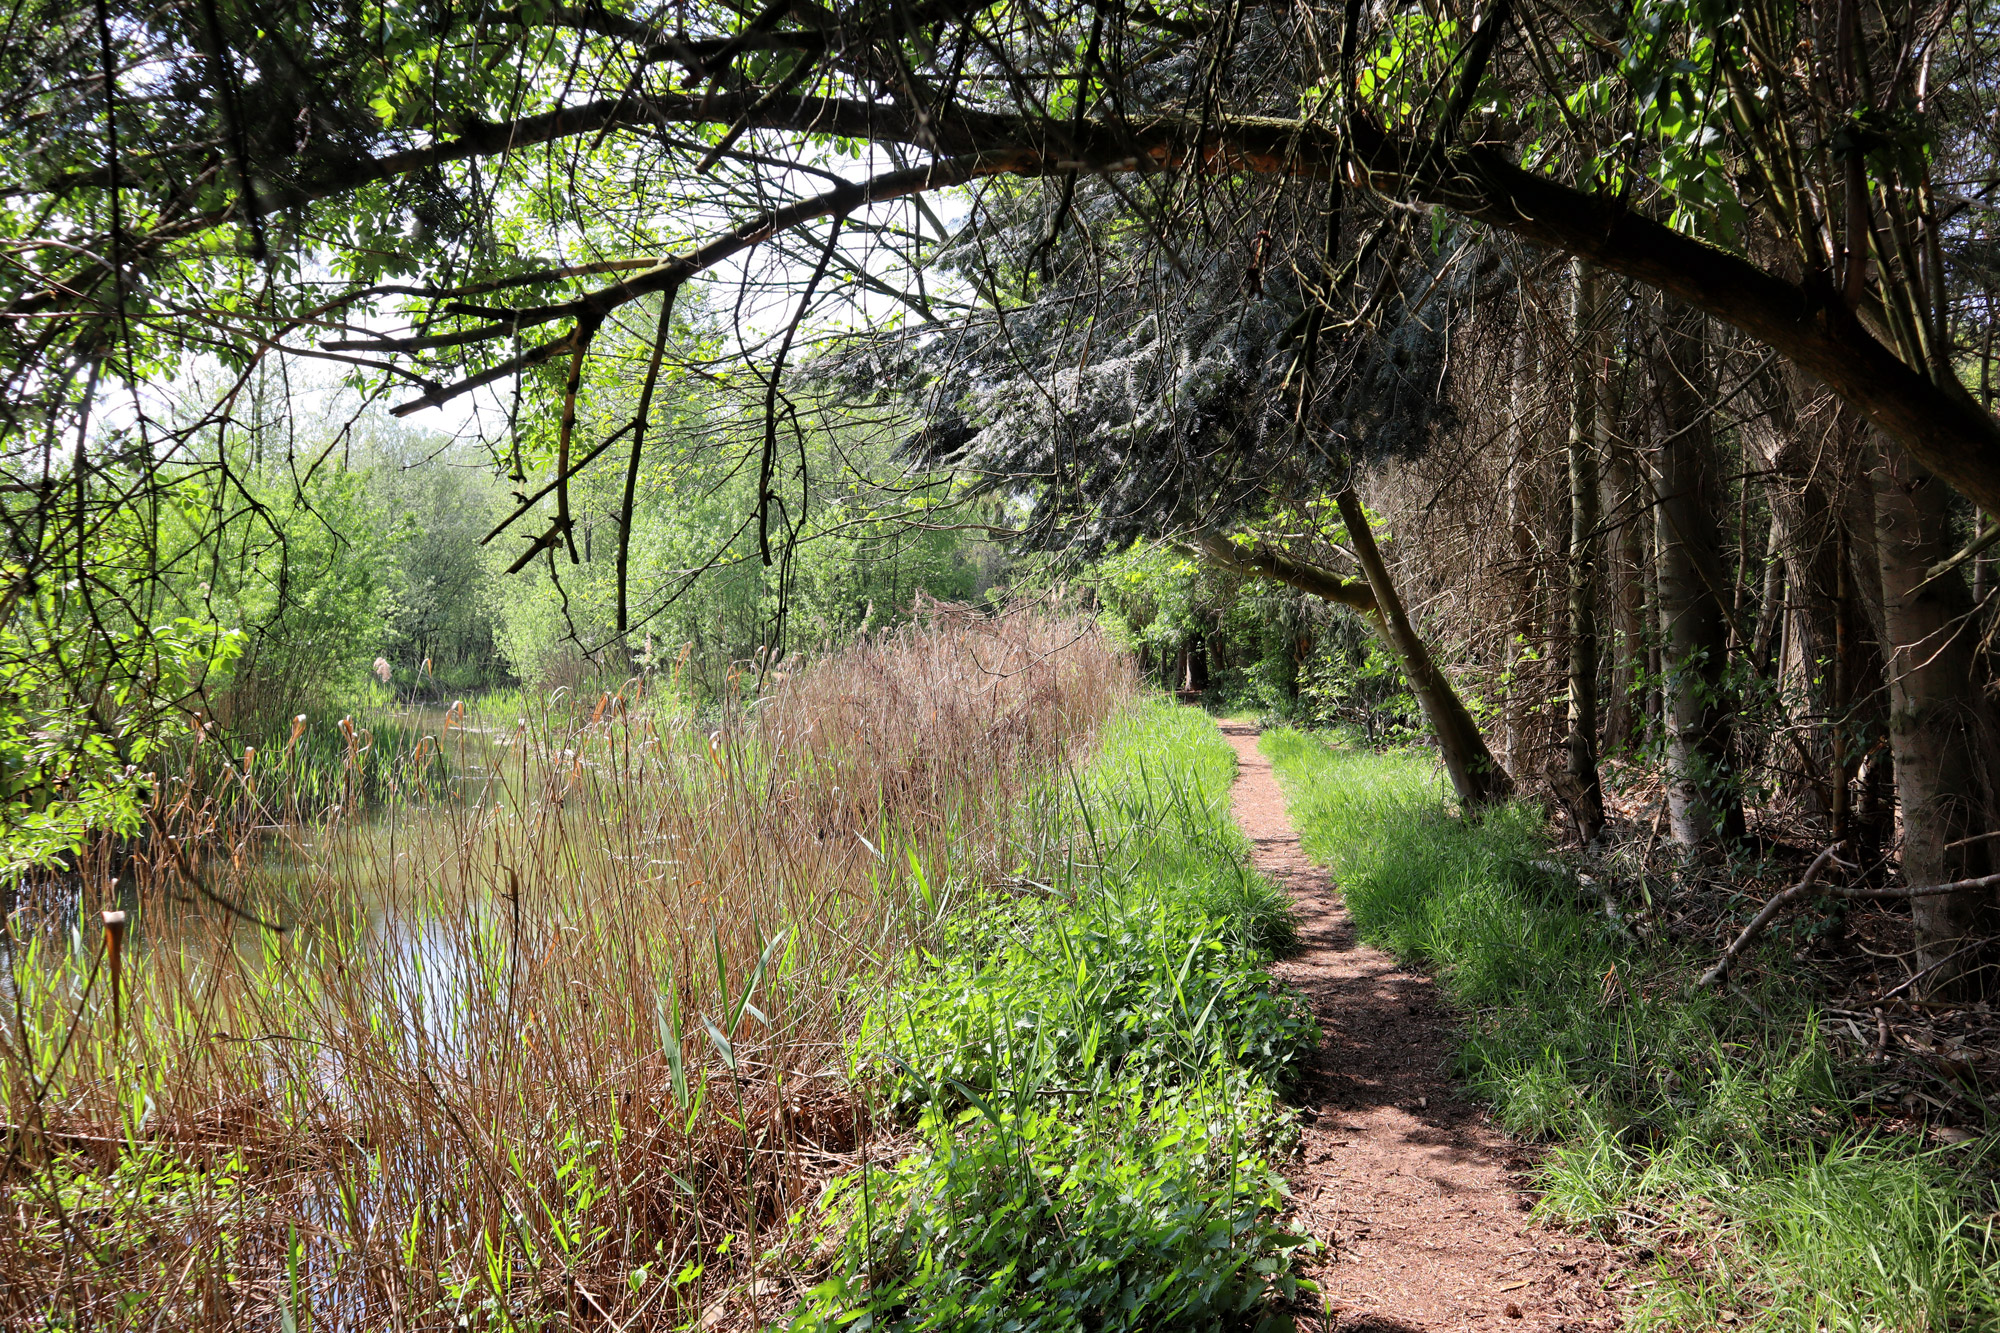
(570, 1047)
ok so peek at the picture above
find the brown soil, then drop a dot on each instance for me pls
(1417, 1198)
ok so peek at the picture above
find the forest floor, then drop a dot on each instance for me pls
(1418, 1199)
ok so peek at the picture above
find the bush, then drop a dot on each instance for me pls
(1112, 988)
(1151, 1210)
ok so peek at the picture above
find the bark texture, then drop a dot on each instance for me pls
(1704, 803)
(1631, 531)
(1585, 429)
(1935, 723)
(1521, 535)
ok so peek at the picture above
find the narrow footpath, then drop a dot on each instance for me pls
(1416, 1196)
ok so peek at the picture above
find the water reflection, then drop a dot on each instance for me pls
(337, 878)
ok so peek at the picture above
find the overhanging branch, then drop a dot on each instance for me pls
(668, 274)
(1940, 424)
(1262, 562)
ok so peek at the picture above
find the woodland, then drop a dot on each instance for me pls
(611, 617)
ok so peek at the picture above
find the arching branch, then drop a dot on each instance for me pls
(668, 274)
(1261, 562)
(1809, 325)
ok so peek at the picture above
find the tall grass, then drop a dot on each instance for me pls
(572, 1048)
(1094, 1056)
(1712, 1129)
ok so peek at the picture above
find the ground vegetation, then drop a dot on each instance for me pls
(446, 451)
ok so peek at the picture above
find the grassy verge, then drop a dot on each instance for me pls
(1093, 1061)
(1715, 1131)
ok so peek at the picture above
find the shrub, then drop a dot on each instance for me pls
(1148, 1210)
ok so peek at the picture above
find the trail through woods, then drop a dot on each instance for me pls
(1416, 1197)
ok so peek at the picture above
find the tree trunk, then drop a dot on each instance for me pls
(1586, 422)
(1806, 527)
(1934, 721)
(1704, 801)
(1478, 780)
(1766, 640)
(1628, 599)
(1520, 530)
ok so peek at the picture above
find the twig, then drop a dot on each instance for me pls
(1922, 891)
(1720, 972)
(1777, 905)
(1920, 974)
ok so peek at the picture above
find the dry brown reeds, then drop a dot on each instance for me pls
(571, 1049)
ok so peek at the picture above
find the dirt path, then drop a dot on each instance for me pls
(1416, 1197)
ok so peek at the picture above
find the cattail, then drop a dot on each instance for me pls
(382, 669)
(298, 730)
(114, 940)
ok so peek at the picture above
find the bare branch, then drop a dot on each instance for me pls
(1264, 563)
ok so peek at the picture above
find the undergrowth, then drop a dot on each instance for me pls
(1713, 1129)
(1092, 1058)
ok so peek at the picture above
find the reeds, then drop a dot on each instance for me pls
(568, 1048)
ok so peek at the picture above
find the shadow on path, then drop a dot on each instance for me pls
(1417, 1197)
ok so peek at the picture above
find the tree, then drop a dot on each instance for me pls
(1586, 445)
(1936, 724)
(425, 119)
(446, 200)
(1704, 798)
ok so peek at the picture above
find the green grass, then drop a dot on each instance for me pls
(1718, 1136)
(1093, 1058)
